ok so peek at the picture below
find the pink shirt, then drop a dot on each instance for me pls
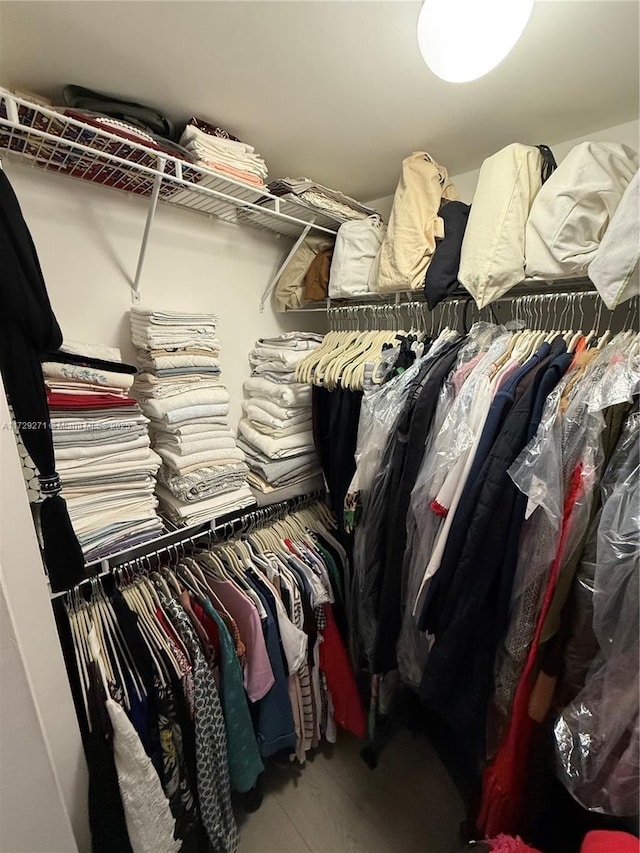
(258, 675)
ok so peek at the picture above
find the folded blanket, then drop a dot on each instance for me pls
(206, 371)
(189, 427)
(281, 413)
(158, 409)
(84, 438)
(91, 350)
(165, 359)
(274, 374)
(90, 375)
(204, 510)
(171, 318)
(58, 400)
(213, 431)
(286, 359)
(293, 340)
(258, 415)
(188, 448)
(190, 414)
(150, 386)
(272, 494)
(292, 394)
(278, 470)
(281, 432)
(66, 462)
(112, 467)
(205, 482)
(122, 419)
(95, 451)
(184, 464)
(117, 366)
(276, 448)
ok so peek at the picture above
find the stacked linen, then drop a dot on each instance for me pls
(276, 430)
(102, 449)
(224, 154)
(203, 473)
(321, 199)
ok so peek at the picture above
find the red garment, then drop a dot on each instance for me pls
(341, 681)
(210, 627)
(504, 781)
(605, 841)
(56, 400)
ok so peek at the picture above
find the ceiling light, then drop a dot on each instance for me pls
(461, 40)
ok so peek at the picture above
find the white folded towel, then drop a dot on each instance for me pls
(291, 394)
(290, 445)
(92, 451)
(210, 397)
(184, 464)
(190, 414)
(189, 427)
(191, 447)
(281, 432)
(261, 415)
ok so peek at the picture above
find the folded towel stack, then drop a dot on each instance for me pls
(180, 391)
(102, 449)
(234, 159)
(276, 431)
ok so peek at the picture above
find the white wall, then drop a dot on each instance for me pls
(43, 777)
(628, 133)
(88, 238)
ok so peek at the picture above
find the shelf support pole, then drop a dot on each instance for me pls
(272, 284)
(153, 204)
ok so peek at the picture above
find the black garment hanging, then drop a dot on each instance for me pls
(404, 464)
(28, 328)
(336, 415)
(458, 674)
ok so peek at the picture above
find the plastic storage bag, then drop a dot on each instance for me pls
(597, 735)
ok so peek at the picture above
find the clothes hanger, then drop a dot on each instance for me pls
(81, 661)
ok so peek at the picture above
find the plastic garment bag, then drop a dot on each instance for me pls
(379, 412)
(449, 444)
(597, 734)
(564, 448)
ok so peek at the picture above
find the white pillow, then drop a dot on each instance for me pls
(614, 270)
(573, 209)
(492, 254)
(357, 245)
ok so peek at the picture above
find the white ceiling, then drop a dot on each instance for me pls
(333, 90)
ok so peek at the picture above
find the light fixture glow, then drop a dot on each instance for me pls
(461, 40)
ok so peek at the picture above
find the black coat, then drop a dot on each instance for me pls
(28, 329)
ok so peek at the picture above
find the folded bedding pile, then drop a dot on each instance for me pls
(218, 150)
(276, 430)
(203, 473)
(102, 449)
(321, 199)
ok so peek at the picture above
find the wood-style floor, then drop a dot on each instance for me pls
(336, 804)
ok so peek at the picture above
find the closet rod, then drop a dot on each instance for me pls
(247, 520)
(530, 287)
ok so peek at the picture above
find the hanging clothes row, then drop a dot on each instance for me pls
(190, 676)
(477, 476)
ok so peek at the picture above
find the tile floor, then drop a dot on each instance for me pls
(336, 804)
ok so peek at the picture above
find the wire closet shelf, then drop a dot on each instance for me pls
(240, 521)
(59, 142)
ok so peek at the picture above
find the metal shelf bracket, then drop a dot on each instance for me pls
(153, 206)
